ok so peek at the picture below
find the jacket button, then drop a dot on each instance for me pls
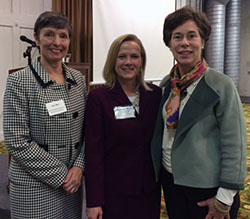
(77, 145)
(75, 115)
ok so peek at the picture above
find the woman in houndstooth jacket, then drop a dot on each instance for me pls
(44, 108)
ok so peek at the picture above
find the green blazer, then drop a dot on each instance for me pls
(210, 146)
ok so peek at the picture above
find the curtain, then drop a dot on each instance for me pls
(79, 12)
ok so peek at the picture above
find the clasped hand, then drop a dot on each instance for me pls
(73, 180)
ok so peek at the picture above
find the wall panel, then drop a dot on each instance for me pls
(17, 18)
(29, 8)
(6, 6)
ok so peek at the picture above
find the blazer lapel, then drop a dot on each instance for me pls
(159, 122)
(156, 143)
(41, 71)
(158, 132)
(119, 95)
(145, 102)
(201, 100)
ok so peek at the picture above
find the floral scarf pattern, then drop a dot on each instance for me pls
(178, 85)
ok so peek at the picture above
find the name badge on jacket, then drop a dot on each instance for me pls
(56, 107)
(124, 112)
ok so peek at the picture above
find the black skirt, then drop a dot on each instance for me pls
(146, 206)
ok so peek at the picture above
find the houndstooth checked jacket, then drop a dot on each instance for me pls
(43, 148)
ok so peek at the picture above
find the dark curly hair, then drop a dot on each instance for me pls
(182, 15)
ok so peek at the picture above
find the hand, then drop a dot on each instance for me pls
(94, 213)
(73, 180)
(213, 213)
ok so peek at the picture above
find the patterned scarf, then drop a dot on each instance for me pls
(179, 84)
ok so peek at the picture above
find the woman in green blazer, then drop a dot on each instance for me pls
(199, 143)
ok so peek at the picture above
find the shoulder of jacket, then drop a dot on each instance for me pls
(217, 80)
(154, 87)
(22, 74)
(76, 73)
(71, 70)
(164, 81)
(100, 91)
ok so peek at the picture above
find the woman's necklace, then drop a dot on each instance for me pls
(136, 100)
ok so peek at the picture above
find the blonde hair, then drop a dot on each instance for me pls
(109, 73)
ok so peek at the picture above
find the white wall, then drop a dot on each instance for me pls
(144, 18)
(17, 17)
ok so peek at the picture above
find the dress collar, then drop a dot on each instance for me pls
(43, 77)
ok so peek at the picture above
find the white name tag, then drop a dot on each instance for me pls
(56, 107)
(124, 112)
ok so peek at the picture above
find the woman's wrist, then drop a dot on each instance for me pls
(221, 207)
